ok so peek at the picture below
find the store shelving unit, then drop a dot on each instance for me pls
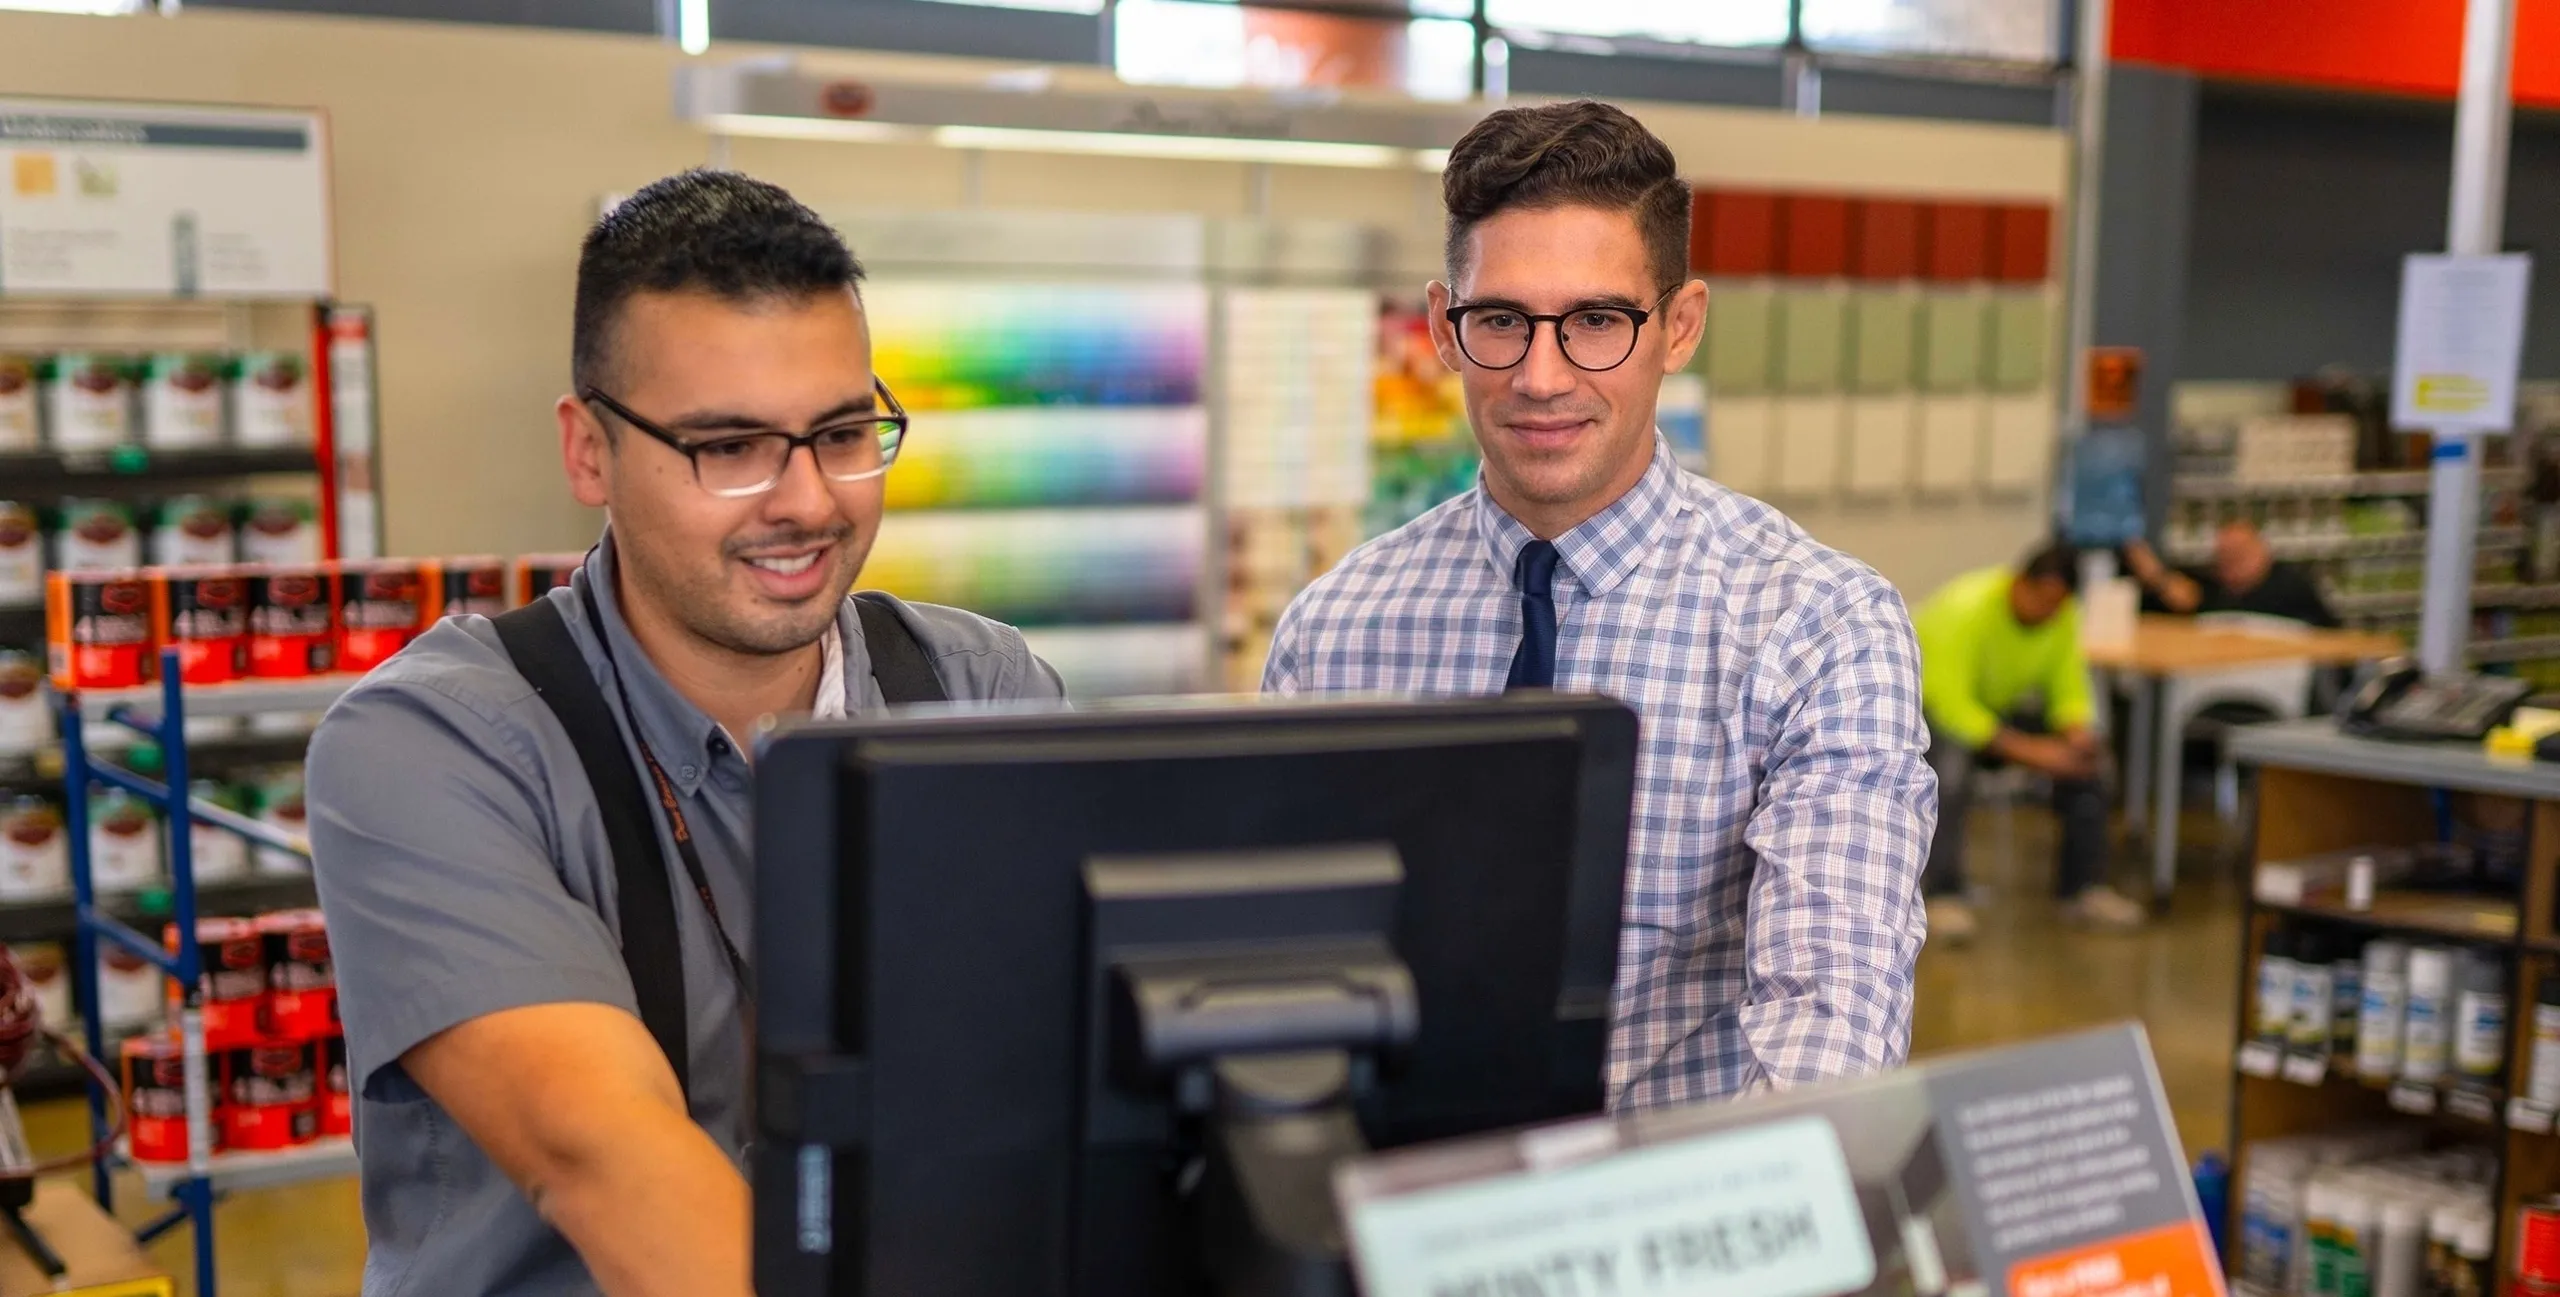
(2320, 792)
(197, 1185)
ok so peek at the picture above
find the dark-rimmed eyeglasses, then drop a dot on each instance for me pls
(1595, 338)
(749, 463)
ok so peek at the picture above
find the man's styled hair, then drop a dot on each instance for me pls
(1579, 154)
(701, 231)
(2055, 562)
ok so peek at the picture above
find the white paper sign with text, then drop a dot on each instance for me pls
(2461, 342)
(1768, 1211)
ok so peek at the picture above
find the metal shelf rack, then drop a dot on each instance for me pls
(195, 1187)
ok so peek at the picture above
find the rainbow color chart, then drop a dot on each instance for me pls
(973, 346)
(1056, 455)
(1047, 567)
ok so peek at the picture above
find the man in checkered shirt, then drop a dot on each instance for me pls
(1783, 804)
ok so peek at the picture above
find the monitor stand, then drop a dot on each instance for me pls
(1283, 1122)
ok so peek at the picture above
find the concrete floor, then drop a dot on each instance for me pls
(2026, 976)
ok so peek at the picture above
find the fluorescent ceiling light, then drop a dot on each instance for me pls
(766, 126)
(100, 8)
(693, 25)
(1195, 148)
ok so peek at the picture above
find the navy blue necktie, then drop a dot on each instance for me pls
(1534, 666)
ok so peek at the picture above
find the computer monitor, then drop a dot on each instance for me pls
(1091, 1004)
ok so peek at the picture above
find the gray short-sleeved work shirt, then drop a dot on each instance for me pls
(464, 869)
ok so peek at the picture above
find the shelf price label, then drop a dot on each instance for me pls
(2528, 1116)
(2258, 1058)
(2414, 1098)
(2471, 1105)
(2306, 1069)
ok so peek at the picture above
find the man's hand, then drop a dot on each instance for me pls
(2054, 756)
(577, 1105)
(2143, 562)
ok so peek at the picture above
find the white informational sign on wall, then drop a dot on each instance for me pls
(140, 200)
(2461, 342)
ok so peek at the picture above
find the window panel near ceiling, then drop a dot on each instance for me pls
(1706, 22)
(1218, 46)
(2009, 31)
(1045, 6)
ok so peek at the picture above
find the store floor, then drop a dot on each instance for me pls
(2026, 976)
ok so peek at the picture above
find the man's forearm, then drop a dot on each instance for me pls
(655, 1209)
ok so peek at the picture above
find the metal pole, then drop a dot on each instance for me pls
(2475, 223)
(2088, 167)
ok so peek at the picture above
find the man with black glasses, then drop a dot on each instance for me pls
(531, 833)
(1783, 802)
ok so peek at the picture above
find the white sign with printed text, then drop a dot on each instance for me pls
(1769, 1211)
(141, 200)
(2461, 342)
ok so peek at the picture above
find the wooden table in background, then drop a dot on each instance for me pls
(2166, 652)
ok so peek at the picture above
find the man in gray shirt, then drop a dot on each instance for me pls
(520, 1130)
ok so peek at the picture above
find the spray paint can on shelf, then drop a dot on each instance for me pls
(2429, 1023)
(2384, 1010)
(536, 573)
(302, 983)
(2480, 1017)
(2275, 987)
(234, 980)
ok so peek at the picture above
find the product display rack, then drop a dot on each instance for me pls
(2322, 792)
(196, 1186)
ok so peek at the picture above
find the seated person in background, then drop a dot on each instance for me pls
(2245, 577)
(2002, 679)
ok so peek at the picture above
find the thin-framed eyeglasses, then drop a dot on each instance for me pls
(750, 463)
(1595, 338)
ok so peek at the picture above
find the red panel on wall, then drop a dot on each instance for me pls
(1813, 236)
(1956, 242)
(2022, 243)
(1734, 233)
(1884, 239)
(2396, 46)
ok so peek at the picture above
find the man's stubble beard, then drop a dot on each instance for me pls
(701, 607)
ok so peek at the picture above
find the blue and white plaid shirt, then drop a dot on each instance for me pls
(1783, 801)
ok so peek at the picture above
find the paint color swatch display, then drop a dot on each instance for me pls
(1047, 567)
(1118, 661)
(958, 345)
(1027, 458)
(1297, 365)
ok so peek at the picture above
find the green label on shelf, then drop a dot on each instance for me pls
(130, 459)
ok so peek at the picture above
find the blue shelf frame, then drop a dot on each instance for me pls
(194, 1195)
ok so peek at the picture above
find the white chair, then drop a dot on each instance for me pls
(2282, 690)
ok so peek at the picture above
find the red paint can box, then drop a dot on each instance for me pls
(234, 980)
(337, 1102)
(203, 612)
(155, 1098)
(536, 573)
(382, 604)
(472, 586)
(289, 633)
(270, 1100)
(302, 983)
(98, 629)
(2538, 1242)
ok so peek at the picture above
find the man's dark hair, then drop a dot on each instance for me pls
(2055, 562)
(1579, 154)
(702, 231)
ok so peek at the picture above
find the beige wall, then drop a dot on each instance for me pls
(469, 161)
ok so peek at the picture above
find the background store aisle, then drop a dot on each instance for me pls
(2025, 976)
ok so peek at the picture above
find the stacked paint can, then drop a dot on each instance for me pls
(273, 1044)
(267, 621)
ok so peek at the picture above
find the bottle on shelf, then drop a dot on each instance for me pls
(2428, 1024)
(2275, 987)
(2480, 1018)
(2384, 1010)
